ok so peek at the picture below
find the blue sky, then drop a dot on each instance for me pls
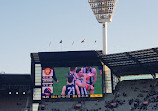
(29, 26)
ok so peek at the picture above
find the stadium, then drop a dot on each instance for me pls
(85, 80)
(22, 92)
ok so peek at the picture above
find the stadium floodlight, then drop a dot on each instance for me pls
(10, 93)
(103, 11)
(23, 93)
(17, 92)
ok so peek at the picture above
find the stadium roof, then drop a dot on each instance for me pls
(132, 63)
(16, 79)
(121, 64)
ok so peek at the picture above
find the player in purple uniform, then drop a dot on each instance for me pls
(70, 88)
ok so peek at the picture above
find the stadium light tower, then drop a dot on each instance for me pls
(103, 11)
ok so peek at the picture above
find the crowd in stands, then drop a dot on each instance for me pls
(133, 95)
(13, 102)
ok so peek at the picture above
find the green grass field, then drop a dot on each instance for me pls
(61, 74)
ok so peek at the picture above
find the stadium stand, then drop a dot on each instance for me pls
(15, 92)
(133, 95)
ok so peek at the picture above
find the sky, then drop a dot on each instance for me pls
(28, 26)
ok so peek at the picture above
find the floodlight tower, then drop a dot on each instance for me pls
(103, 11)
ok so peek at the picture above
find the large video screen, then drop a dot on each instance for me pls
(72, 82)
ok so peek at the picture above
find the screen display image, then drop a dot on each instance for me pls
(72, 82)
(47, 82)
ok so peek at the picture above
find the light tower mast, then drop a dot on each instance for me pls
(103, 11)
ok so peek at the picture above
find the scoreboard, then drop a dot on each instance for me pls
(47, 82)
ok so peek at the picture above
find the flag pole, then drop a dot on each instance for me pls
(96, 45)
(49, 49)
(61, 44)
(72, 45)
